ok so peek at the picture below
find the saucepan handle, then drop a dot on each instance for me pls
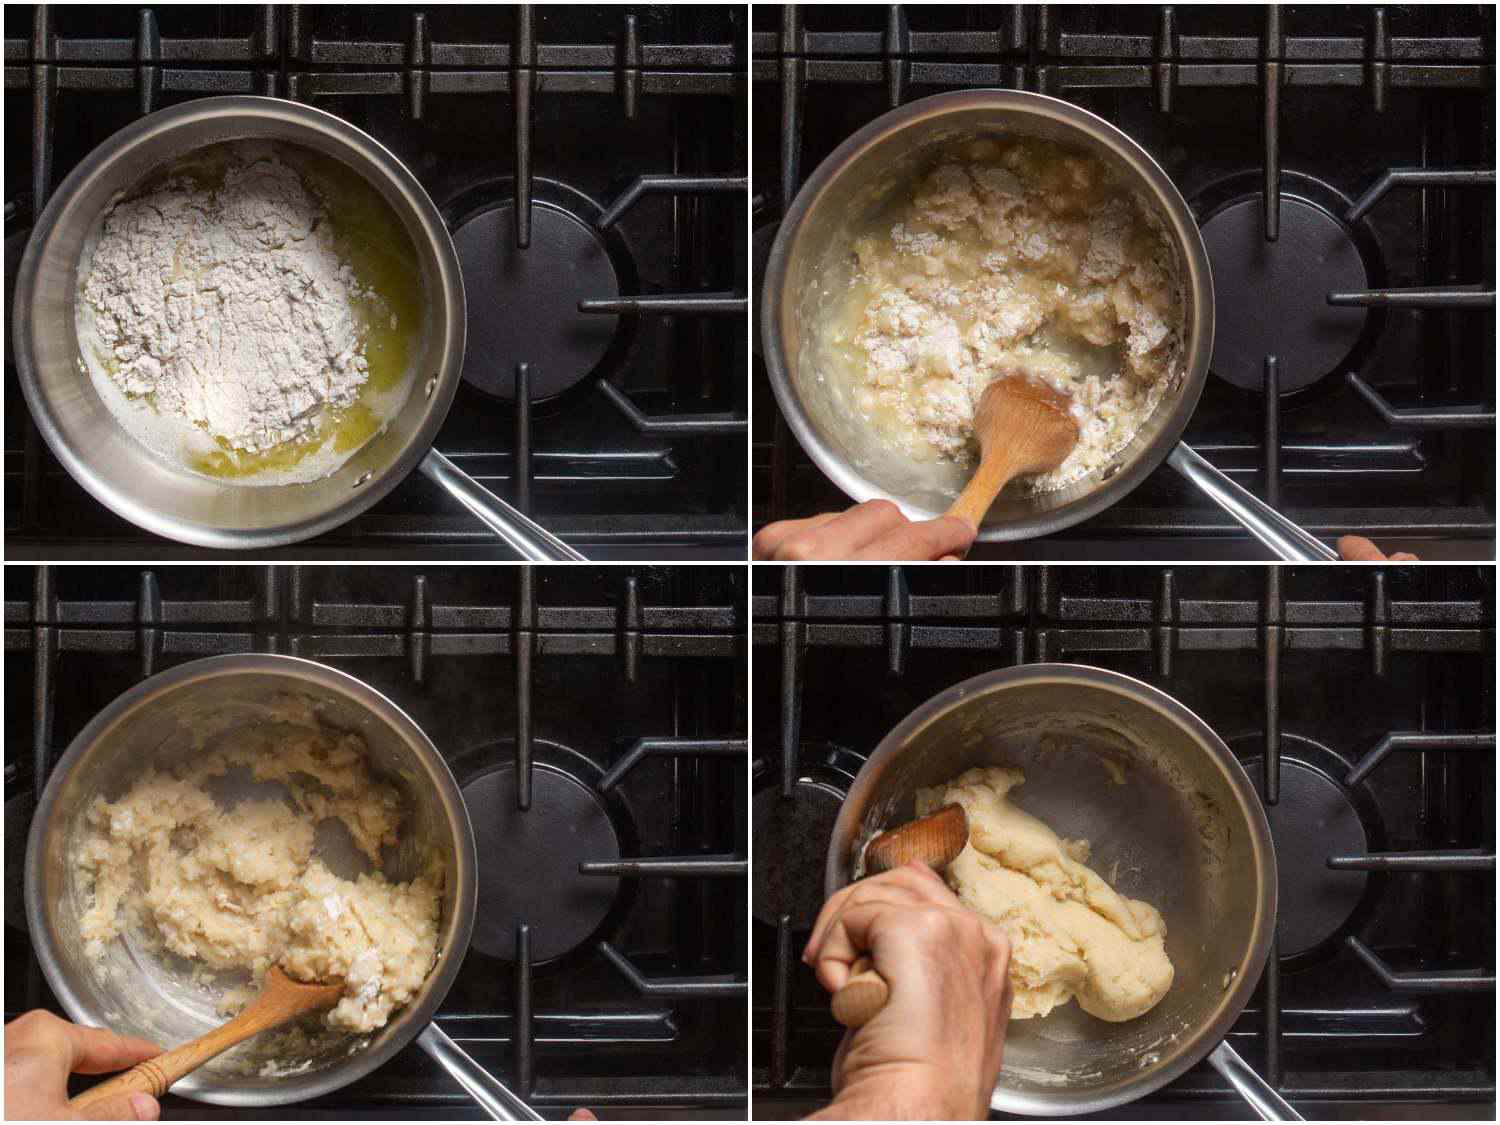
(493, 1096)
(1252, 1087)
(529, 539)
(1290, 542)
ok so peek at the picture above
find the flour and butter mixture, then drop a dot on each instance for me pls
(1011, 256)
(242, 886)
(1072, 935)
(249, 316)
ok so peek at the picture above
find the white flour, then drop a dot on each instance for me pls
(228, 308)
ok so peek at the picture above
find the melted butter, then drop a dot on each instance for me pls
(346, 429)
(369, 236)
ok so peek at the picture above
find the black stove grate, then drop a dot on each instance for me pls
(648, 1018)
(1251, 104)
(641, 111)
(1338, 675)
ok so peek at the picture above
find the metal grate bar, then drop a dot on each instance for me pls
(524, 470)
(1422, 418)
(1271, 640)
(643, 748)
(661, 867)
(1272, 50)
(525, 1037)
(1271, 395)
(674, 184)
(1415, 740)
(663, 304)
(1417, 177)
(1418, 297)
(1462, 859)
(707, 986)
(708, 425)
(1430, 981)
(525, 642)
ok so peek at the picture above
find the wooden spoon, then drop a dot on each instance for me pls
(1022, 426)
(281, 1000)
(936, 840)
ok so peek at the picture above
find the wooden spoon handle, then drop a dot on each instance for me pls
(863, 996)
(156, 1075)
(993, 474)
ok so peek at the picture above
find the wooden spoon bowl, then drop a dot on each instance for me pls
(1022, 426)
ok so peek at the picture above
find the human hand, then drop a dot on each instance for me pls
(41, 1050)
(934, 1050)
(1356, 548)
(874, 530)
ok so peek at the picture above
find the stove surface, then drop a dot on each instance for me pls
(1371, 693)
(627, 993)
(612, 144)
(1372, 129)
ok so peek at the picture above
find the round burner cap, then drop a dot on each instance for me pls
(1271, 298)
(791, 841)
(523, 304)
(1313, 819)
(528, 862)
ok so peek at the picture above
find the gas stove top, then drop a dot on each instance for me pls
(603, 155)
(627, 993)
(1353, 377)
(1362, 704)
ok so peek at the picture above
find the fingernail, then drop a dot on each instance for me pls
(145, 1107)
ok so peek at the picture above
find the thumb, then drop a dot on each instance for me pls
(123, 1107)
(581, 1114)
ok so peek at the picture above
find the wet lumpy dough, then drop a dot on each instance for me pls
(1072, 936)
(1009, 257)
(243, 888)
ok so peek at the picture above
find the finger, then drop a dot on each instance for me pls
(930, 539)
(1356, 548)
(895, 896)
(770, 537)
(123, 1107)
(581, 1114)
(843, 535)
(1404, 556)
(836, 902)
(928, 879)
(841, 898)
(96, 1051)
(854, 934)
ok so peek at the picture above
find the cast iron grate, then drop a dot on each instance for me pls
(642, 111)
(1345, 673)
(1253, 106)
(649, 1015)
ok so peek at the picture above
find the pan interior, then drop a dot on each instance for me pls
(153, 994)
(1129, 778)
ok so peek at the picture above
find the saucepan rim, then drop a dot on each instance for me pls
(1188, 1049)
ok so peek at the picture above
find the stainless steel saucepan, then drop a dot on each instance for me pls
(810, 265)
(1164, 803)
(135, 992)
(142, 488)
